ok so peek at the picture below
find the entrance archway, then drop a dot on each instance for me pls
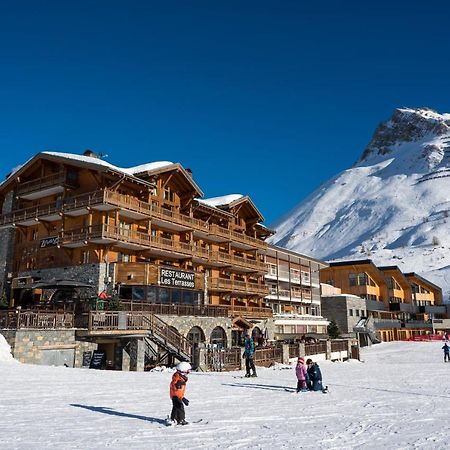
(219, 337)
(196, 337)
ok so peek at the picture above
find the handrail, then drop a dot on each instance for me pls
(41, 182)
(93, 198)
(169, 335)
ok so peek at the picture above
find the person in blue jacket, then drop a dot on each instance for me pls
(248, 355)
(446, 349)
(314, 375)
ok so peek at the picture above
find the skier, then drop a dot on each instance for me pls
(248, 355)
(302, 375)
(177, 389)
(315, 377)
(446, 349)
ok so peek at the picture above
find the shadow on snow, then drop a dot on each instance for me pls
(112, 412)
(269, 387)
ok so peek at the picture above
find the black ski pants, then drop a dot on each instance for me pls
(446, 357)
(177, 410)
(249, 364)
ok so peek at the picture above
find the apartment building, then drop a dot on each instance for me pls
(293, 281)
(399, 305)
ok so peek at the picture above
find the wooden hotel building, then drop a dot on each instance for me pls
(144, 233)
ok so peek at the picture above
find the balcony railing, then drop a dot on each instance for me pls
(250, 311)
(120, 234)
(124, 202)
(41, 183)
(237, 286)
(35, 319)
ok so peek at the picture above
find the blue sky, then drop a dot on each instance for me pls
(265, 98)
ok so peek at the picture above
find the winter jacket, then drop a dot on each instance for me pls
(315, 377)
(178, 385)
(249, 348)
(301, 372)
(446, 349)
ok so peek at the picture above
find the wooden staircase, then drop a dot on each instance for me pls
(157, 331)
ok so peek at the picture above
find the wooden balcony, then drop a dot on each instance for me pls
(255, 312)
(239, 240)
(222, 284)
(44, 186)
(36, 319)
(128, 206)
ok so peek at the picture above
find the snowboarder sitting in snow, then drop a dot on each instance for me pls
(248, 355)
(302, 375)
(314, 376)
(446, 349)
(177, 389)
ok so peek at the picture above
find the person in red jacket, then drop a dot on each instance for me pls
(177, 390)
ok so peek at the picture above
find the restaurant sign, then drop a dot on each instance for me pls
(49, 242)
(177, 278)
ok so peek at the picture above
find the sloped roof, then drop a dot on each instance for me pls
(102, 165)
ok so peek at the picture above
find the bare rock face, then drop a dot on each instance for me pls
(406, 125)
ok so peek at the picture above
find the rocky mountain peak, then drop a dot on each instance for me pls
(406, 125)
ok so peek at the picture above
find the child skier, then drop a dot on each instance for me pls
(177, 389)
(302, 375)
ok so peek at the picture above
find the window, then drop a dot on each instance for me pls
(362, 279)
(352, 279)
(168, 194)
(85, 257)
(357, 312)
(350, 312)
(123, 257)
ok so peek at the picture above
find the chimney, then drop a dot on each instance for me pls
(90, 153)
(189, 171)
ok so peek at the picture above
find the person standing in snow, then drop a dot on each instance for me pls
(177, 390)
(446, 349)
(314, 376)
(249, 350)
(302, 375)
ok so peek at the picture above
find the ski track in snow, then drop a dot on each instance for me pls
(398, 398)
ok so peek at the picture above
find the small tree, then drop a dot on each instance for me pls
(333, 330)
(435, 241)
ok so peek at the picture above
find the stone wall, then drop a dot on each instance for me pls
(7, 238)
(27, 345)
(337, 307)
(183, 324)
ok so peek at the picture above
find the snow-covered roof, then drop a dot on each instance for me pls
(224, 200)
(147, 167)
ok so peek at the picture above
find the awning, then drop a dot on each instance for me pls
(239, 323)
(60, 284)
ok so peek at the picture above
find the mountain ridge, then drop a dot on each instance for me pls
(392, 205)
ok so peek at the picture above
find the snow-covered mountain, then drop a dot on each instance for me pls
(392, 206)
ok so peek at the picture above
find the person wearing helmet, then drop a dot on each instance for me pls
(177, 390)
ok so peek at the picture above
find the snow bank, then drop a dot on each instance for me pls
(5, 351)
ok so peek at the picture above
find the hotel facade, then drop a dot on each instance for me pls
(293, 280)
(144, 234)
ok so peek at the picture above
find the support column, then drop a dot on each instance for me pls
(285, 354)
(328, 354)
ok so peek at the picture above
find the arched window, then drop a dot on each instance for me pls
(219, 337)
(196, 335)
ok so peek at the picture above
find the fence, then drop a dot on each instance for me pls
(231, 358)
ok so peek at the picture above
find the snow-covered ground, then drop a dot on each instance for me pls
(397, 398)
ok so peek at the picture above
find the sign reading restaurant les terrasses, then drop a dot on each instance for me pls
(177, 278)
(49, 242)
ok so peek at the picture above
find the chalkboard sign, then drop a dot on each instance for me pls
(87, 356)
(98, 360)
